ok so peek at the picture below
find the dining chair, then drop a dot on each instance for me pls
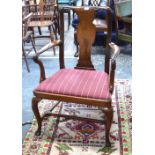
(45, 15)
(82, 84)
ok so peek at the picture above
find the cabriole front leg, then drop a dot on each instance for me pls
(35, 109)
(108, 123)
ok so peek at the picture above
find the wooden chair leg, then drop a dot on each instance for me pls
(76, 54)
(109, 117)
(54, 27)
(25, 58)
(39, 30)
(35, 109)
(58, 25)
(69, 16)
(76, 44)
(54, 51)
(33, 36)
(33, 45)
(51, 35)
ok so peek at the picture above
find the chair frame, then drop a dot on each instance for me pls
(45, 18)
(84, 62)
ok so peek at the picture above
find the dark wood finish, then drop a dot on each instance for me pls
(91, 101)
(108, 122)
(85, 42)
(42, 70)
(35, 109)
(85, 37)
(102, 25)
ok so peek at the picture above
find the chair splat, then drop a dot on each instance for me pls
(86, 35)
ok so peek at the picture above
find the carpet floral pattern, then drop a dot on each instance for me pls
(72, 137)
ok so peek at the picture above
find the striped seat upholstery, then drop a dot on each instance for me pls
(77, 82)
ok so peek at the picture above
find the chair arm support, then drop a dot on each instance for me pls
(115, 51)
(41, 67)
(48, 46)
(42, 50)
(51, 45)
(112, 74)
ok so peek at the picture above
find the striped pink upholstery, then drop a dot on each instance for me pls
(77, 82)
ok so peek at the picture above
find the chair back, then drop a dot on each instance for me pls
(86, 32)
(43, 9)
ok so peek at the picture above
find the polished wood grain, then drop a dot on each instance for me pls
(85, 37)
(102, 25)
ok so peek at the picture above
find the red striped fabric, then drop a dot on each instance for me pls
(77, 82)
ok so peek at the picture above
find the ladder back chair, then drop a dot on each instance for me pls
(45, 14)
(83, 84)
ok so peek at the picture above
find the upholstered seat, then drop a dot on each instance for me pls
(77, 82)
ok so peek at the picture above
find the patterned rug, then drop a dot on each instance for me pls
(72, 137)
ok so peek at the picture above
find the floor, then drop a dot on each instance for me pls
(30, 80)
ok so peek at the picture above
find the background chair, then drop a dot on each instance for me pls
(27, 37)
(67, 11)
(83, 84)
(123, 13)
(45, 14)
